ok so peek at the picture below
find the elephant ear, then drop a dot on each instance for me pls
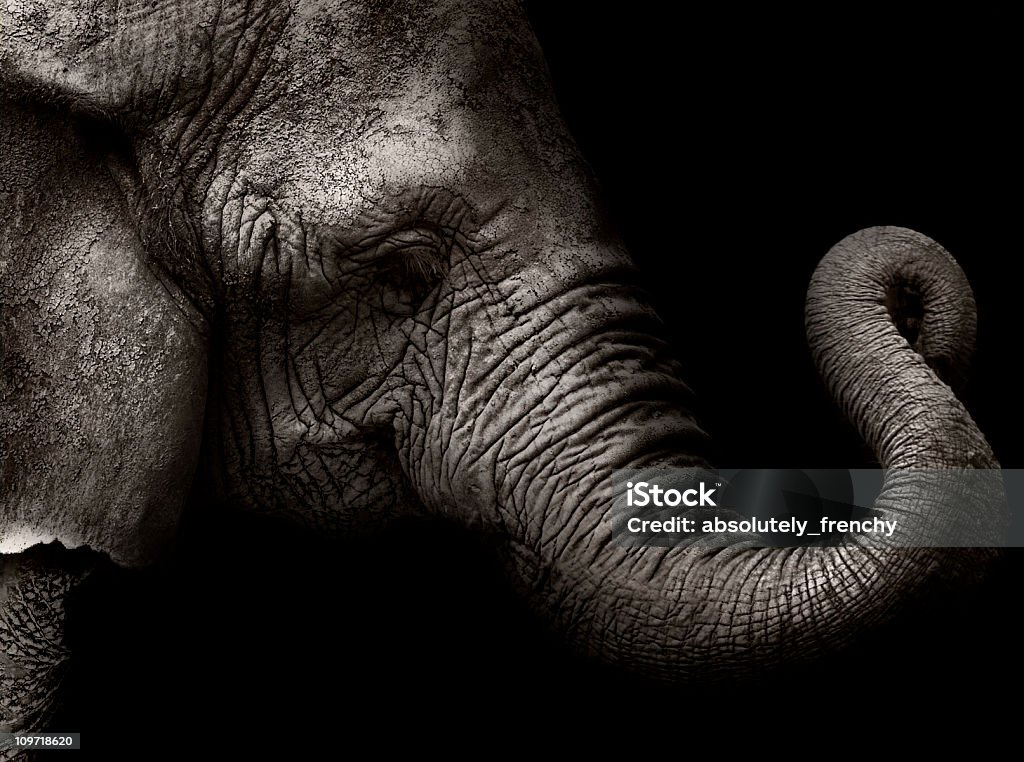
(102, 363)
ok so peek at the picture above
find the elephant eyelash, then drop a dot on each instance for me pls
(414, 263)
(408, 265)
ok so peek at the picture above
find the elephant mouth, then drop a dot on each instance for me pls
(25, 539)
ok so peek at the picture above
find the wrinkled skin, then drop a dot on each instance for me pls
(102, 393)
(371, 221)
(90, 333)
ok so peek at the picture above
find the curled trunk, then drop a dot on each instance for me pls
(540, 469)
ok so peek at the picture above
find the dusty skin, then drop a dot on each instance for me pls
(351, 254)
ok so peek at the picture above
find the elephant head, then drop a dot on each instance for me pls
(363, 229)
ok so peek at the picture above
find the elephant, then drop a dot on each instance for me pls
(343, 259)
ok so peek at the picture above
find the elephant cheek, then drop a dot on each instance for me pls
(102, 388)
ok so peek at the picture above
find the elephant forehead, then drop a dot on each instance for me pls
(330, 171)
(345, 122)
(331, 162)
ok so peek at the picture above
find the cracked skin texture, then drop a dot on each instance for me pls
(314, 137)
(33, 656)
(103, 369)
(416, 307)
(101, 394)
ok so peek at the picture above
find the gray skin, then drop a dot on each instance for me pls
(367, 225)
(101, 398)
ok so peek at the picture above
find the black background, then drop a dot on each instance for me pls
(733, 149)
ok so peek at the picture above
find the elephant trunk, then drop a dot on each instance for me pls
(33, 655)
(873, 294)
(580, 387)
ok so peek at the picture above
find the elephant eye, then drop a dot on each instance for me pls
(409, 264)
